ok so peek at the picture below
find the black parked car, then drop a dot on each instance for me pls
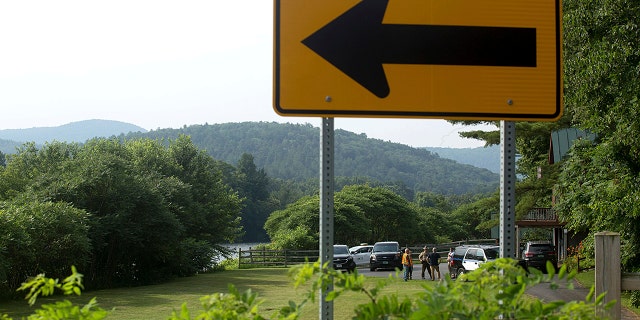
(537, 253)
(342, 258)
(385, 255)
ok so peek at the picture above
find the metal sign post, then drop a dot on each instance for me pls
(326, 211)
(507, 188)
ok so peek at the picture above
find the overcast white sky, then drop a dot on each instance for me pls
(158, 64)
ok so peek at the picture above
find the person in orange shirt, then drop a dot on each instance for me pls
(407, 264)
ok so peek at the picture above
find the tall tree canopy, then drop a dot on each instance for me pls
(252, 184)
(599, 183)
(361, 214)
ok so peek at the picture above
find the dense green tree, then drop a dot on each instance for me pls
(302, 217)
(536, 176)
(536, 191)
(154, 211)
(598, 193)
(207, 219)
(431, 226)
(532, 141)
(475, 220)
(31, 165)
(390, 216)
(455, 217)
(433, 200)
(361, 214)
(599, 183)
(212, 207)
(297, 226)
(253, 187)
(283, 193)
(127, 213)
(38, 237)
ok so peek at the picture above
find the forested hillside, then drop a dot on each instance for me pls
(8, 146)
(291, 152)
(483, 157)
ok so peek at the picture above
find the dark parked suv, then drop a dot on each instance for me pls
(342, 258)
(385, 255)
(537, 253)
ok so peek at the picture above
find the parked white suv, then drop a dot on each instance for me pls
(469, 257)
(361, 254)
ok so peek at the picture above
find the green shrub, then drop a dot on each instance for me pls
(42, 286)
(300, 238)
(229, 264)
(38, 236)
(635, 298)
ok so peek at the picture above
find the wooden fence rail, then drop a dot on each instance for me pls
(284, 258)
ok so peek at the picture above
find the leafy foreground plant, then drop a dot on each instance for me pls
(494, 291)
(42, 286)
(497, 291)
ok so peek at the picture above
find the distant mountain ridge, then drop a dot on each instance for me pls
(79, 131)
(291, 152)
(482, 157)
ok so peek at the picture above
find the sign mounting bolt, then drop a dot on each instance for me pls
(327, 99)
(509, 101)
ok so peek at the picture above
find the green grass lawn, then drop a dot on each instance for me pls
(158, 301)
(273, 285)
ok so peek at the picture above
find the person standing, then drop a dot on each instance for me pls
(410, 265)
(407, 264)
(423, 260)
(434, 263)
(452, 273)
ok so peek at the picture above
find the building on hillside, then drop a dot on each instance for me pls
(560, 143)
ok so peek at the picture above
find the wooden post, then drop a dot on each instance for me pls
(239, 257)
(608, 275)
(285, 258)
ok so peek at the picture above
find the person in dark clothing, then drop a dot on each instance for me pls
(434, 264)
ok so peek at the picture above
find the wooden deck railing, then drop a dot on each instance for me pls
(541, 214)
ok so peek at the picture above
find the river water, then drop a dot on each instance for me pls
(244, 246)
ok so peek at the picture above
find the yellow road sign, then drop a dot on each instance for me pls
(454, 59)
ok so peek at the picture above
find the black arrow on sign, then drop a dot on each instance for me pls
(357, 43)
